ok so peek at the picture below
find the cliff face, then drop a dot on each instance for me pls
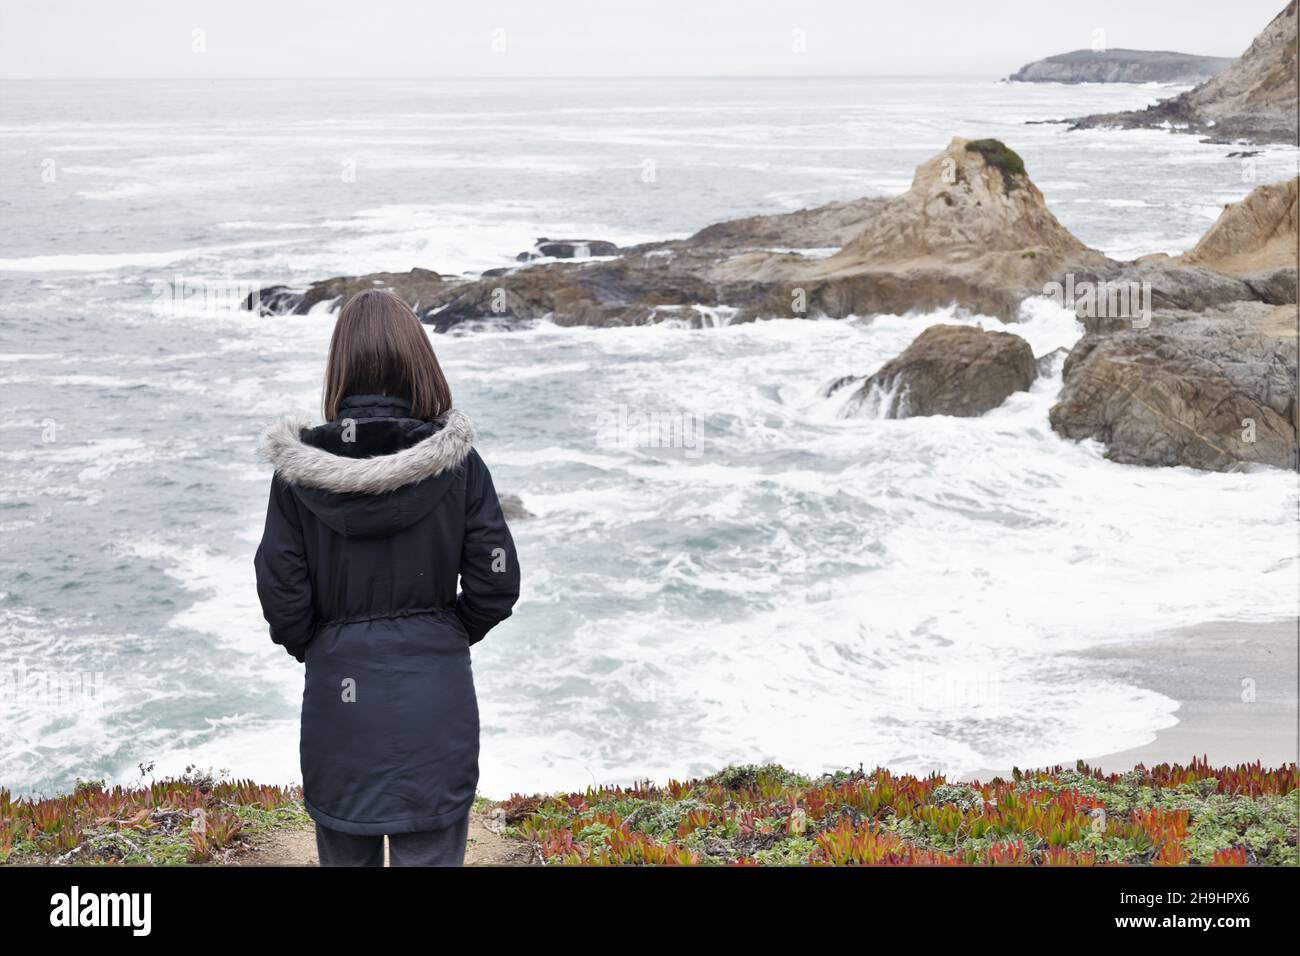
(1253, 99)
(1258, 91)
(1121, 66)
(1255, 234)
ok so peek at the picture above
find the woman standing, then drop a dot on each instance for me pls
(373, 516)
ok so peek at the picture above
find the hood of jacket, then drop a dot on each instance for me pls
(374, 470)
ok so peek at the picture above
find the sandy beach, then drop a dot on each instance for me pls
(1236, 686)
(1209, 669)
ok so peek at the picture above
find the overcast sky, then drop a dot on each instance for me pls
(411, 38)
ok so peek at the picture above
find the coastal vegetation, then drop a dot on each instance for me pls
(1000, 156)
(196, 817)
(766, 815)
(1169, 815)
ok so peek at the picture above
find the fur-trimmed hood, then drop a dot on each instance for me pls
(307, 465)
(374, 470)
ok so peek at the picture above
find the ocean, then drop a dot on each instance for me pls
(788, 585)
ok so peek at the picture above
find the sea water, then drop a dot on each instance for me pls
(788, 584)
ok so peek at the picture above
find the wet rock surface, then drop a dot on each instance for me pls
(948, 370)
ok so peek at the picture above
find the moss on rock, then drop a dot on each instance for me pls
(999, 154)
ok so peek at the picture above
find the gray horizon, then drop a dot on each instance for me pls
(584, 39)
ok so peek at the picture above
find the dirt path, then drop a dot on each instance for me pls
(298, 848)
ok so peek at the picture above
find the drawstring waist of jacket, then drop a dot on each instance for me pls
(389, 615)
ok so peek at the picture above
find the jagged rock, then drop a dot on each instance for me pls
(1121, 66)
(1161, 282)
(1274, 286)
(972, 229)
(273, 300)
(728, 264)
(1212, 390)
(822, 227)
(568, 249)
(1254, 235)
(1253, 99)
(624, 291)
(1249, 254)
(948, 370)
(1216, 364)
(973, 197)
(415, 287)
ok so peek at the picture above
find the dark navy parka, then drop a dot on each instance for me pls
(372, 519)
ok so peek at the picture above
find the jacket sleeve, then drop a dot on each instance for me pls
(489, 568)
(283, 583)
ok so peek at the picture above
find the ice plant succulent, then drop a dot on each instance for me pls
(765, 815)
(176, 820)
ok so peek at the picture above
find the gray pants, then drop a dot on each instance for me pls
(444, 847)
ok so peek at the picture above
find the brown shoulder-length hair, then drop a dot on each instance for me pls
(379, 347)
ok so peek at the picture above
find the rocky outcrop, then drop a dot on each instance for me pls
(417, 287)
(1213, 390)
(973, 229)
(1253, 236)
(1253, 99)
(568, 249)
(825, 227)
(1249, 255)
(1255, 240)
(1209, 380)
(948, 370)
(1121, 66)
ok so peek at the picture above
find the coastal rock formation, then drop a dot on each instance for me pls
(1248, 255)
(825, 227)
(972, 230)
(568, 249)
(948, 370)
(1253, 99)
(973, 197)
(1212, 390)
(1252, 236)
(1255, 240)
(1210, 380)
(416, 287)
(1160, 282)
(1121, 66)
